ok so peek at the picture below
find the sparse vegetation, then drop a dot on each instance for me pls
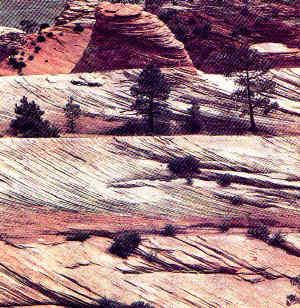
(253, 85)
(291, 299)
(79, 236)
(108, 303)
(37, 49)
(185, 167)
(224, 180)
(236, 200)
(41, 39)
(140, 304)
(150, 90)
(29, 123)
(125, 243)
(28, 25)
(225, 226)
(72, 114)
(260, 232)
(50, 34)
(44, 26)
(169, 230)
(78, 28)
(193, 124)
(17, 64)
(276, 239)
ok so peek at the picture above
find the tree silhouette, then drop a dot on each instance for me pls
(150, 90)
(254, 86)
(72, 114)
(29, 122)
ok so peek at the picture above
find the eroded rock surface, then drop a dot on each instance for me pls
(143, 38)
(109, 104)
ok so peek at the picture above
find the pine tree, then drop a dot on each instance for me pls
(150, 90)
(29, 123)
(254, 86)
(72, 114)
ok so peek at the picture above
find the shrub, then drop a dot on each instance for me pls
(108, 303)
(78, 236)
(16, 64)
(225, 226)
(291, 299)
(184, 166)
(29, 122)
(125, 244)
(260, 232)
(72, 114)
(50, 34)
(37, 49)
(236, 200)
(41, 39)
(78, 28)
(277, 239)
(169, 230)
(295, 281)
(224, 180)
(140, 304)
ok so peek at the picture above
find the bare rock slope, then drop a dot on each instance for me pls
(125, 184)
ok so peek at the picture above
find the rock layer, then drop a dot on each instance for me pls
(109, 104)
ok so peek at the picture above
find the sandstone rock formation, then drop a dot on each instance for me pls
(131, 38)
(112, 184)
(108, 105)
(141, 36)
(187, 19)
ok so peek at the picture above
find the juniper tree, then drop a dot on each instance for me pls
(193, 124)
(185, 167)
(72, 114)
(150, 90)
(254, 86)
(29, 122)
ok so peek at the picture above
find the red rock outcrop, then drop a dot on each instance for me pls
(124, 36)
(130, 37)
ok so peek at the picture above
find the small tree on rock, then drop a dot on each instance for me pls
(29, 122)
(125, 244)
(72, 114)
(150, 90)
(185, 167)
(193, 124)
(253, 85)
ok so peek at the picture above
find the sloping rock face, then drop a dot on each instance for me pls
(124, 37)
(130, 176)
(52, 190)
(272, 21)
(202, 269)
(129, 38)
(109, 104)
